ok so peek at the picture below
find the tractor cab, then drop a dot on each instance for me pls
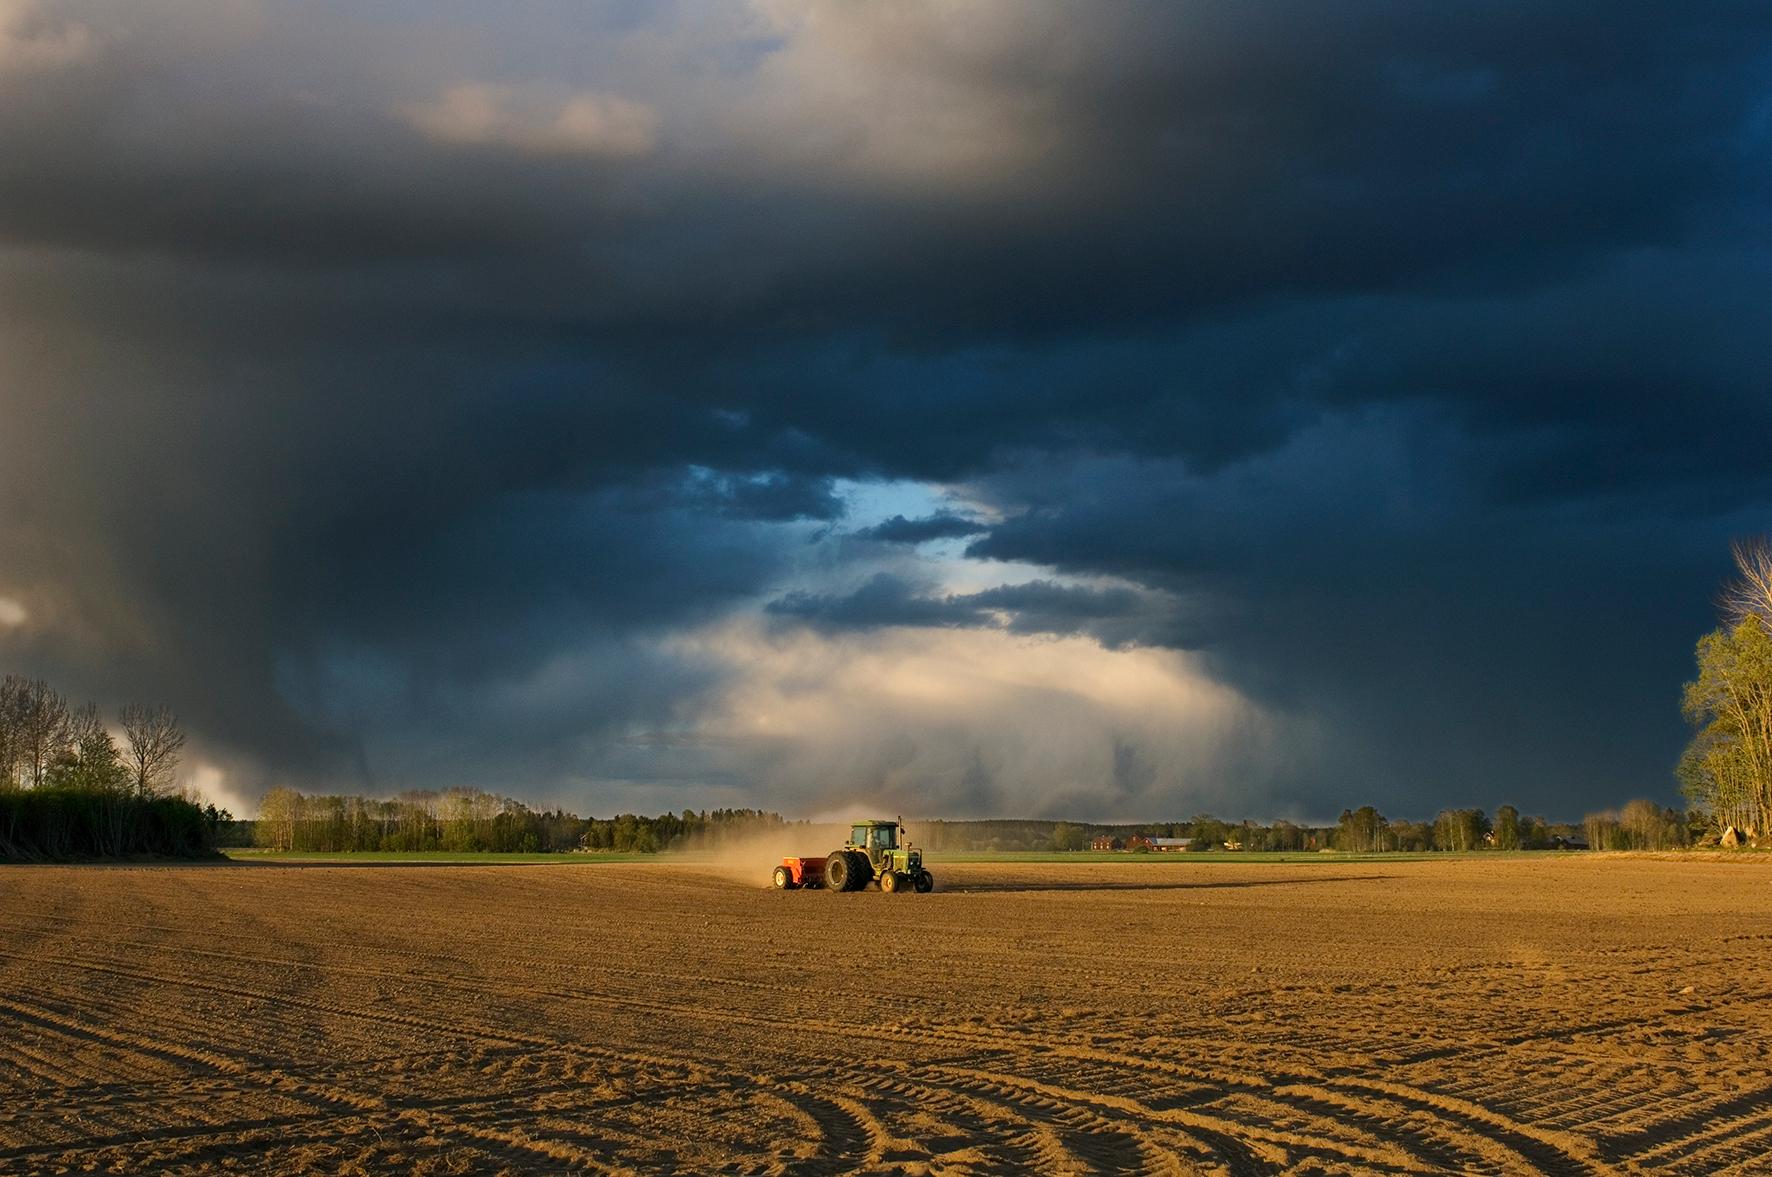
(877, 838)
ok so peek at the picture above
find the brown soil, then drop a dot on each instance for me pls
(1567, 1014)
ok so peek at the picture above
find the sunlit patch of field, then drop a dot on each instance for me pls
(1507, 1015)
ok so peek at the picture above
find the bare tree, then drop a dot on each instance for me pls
(1750, 593)
(43, 729)
(155, 741)
(12, 700)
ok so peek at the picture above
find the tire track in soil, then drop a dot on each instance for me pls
(444, 1114)
(1018, 1142)
(1103, 1144)
(1302, 1133)
(140, 1136)
(1743, 1154)
(847, 1142)
(848, 1031)
(1073, 1092)
(515, 1146)
(1225, 1131)
(1420, 1144)
(342, 1100)
(1247, 1149)
(1547, 1152)
(171, 1022)
(1484, 1140)
(1700, 1127)
(183, 1057)
(469, 1033)
(510, 1046)
(1135, 1129)
(474, 984)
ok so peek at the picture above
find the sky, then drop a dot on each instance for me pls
(1006, 408)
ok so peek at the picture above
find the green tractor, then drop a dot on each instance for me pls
(873, 852)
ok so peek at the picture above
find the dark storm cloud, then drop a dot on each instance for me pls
(773, 495)
(365, 368)
(884, 600)
(941, 525)
(1115, 616)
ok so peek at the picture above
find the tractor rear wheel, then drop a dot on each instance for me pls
(925, 882)
(784, 879)
(861, 871)
(837, 872)
(889, 882)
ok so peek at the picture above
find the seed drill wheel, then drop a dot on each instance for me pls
(837, 872)
(784, 879)
(925, 882)
(889, 882)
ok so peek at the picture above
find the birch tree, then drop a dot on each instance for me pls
(1749, 595)
(1727, 769)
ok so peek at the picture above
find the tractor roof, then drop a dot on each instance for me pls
(873, 821)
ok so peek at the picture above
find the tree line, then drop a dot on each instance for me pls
(466, 820)
(1640, 825)
(68, 789)
(1363, 831)
(473, 820)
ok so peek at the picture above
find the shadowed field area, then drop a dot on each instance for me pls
(1569, 1014)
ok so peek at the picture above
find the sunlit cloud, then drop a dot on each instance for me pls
(211, 786)
(32, 41)
(976, 722)
(537, 121)
(854, 91)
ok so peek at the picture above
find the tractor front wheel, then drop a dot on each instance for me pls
(925, 882)
(837, 872)
(784, 879)
(889, 882)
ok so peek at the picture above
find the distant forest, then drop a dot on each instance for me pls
(466, 820)
(474, 820)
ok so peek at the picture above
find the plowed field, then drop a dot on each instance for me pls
(1569, 1014)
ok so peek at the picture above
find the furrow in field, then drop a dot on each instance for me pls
(1545, 1151)
(252, 1040)
(1447, 1131)
(136, 1136)
(1709, 1124)
(995, 1130)
(144, 1046)
(845, 1029)
(331, 1009)
(465, 1020)
(1742, 1150)
(1575, 1095)
(1131, 1131)
(514, 1146)
(45, 1059)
